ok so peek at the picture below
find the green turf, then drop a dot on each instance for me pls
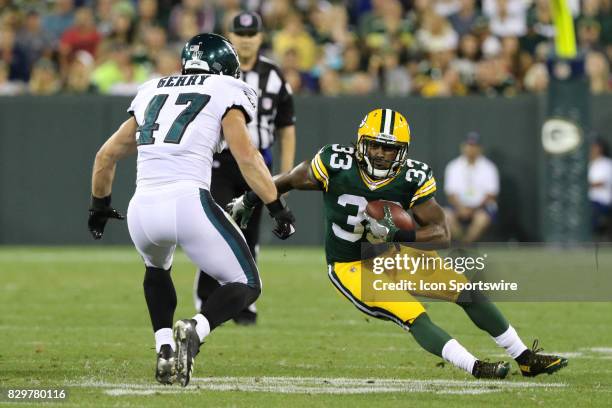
(76, 316)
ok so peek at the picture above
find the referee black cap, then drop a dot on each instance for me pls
(246, 23)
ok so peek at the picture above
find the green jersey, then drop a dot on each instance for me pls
(346, 193)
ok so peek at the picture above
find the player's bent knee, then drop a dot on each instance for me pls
(468, 297)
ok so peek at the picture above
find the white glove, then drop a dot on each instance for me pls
(381, 230)
(240, 211)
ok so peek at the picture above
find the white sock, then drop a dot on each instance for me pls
(164, 336)
(511, 342)
(203, 327)
(455, 353)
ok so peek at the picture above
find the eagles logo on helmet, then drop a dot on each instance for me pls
(212, 54)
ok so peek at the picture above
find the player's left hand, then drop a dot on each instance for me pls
(383, 229)
(99, 214)
(284, 219)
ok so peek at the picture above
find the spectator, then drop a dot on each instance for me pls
(147, 16)
(329, 83)
(393, 79)
(153, 43)
(35, 42)
(536, 78)
(293, 35)
(13, 56)
(226, 10)
(589, 31)
(275, 13)
(104, 16)
(59, 20)
(436, 34)
(471, 184)
(506, 17)
(598, 71)
(352, 78)
(44, 79)
(123, 29)
(600, 188)
(388, 27)
(202, 11)
(468, 56)
(187, 28)
(7, 87)
(119, 75)
(82, 36)
(78, 80)
(295, 77)
(465, 18)
(446, 8)
(166, 64)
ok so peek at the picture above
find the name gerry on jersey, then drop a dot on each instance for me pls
(179, 125)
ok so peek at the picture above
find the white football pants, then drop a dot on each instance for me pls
(160, 218)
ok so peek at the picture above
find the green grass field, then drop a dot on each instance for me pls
(75, 318)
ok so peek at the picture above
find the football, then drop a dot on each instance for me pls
(401, 218)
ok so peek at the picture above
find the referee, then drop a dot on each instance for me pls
(275, 117)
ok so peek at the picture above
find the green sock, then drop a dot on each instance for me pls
(429, 336)
(484, 314)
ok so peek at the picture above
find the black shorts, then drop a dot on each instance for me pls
(227, 183)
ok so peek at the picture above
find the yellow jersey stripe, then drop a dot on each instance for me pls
(321, 165)
(372, 184)
(318, 175)
(425, 186)
(422, 191)
(428, 193)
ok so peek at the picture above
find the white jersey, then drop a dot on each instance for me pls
(179, 125)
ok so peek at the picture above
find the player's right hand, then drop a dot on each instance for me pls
(383, 229)
(284, 218)
(99, 214)
(241, 210)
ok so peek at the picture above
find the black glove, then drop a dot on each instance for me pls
(284, 218)
(99, 213)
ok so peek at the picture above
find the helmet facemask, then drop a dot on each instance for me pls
(374, 166)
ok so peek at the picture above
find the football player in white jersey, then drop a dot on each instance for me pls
(177, 124)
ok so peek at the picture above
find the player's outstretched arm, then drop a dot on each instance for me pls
(250, 162)
(255, 172)
(299, 178)
(121, 144)
(434, 228)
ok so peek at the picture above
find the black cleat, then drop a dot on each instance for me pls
(246, 318)
(165, 371)
(531, 363)
(484, 369)
(187, 348)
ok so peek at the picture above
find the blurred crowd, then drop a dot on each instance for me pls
(331, 47)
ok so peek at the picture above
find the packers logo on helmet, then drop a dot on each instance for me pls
(389, 130)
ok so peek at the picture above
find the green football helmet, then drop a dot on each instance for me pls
(212, 54)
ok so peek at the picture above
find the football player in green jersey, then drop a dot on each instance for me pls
(378, 168)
